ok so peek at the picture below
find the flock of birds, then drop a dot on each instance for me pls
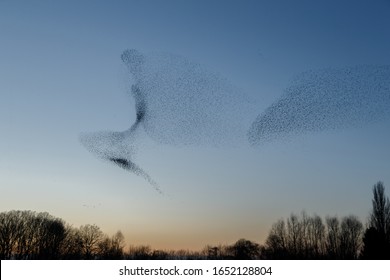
(179, 102)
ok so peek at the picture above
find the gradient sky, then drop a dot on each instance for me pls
(61, 74)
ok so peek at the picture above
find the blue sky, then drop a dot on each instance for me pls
(61, 74)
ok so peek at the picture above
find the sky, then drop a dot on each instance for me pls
(61, 75)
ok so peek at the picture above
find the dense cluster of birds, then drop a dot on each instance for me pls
(333, 98)
(179, 102)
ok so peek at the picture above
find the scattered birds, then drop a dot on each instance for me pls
(92, 205)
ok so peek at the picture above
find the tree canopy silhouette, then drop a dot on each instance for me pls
(377, 236)
(306, 237)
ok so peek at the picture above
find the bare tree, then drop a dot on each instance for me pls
(90, 236)
(333, 237)
(380, 215)
(25, 248)
(111, 248)
(295, 236)
(276, 243)
(49, 233)
(118, 243)
(350, 237)
(315, 237)
(9, 229)
(72, 246)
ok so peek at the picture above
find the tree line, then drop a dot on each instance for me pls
(31, 235)
(309, 237)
